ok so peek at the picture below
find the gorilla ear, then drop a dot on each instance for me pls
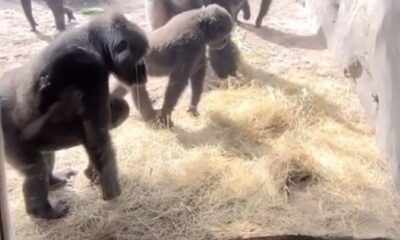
(121, 46)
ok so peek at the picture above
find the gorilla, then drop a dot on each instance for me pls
(58, 9)
(61, 99)
(223, 61)
(177, 50)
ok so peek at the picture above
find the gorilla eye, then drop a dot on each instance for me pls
(121, 46)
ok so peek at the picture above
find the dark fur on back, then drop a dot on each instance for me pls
(187, 34)
(178, 49)
(78, 60)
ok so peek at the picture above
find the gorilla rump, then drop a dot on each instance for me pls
(70, 74)
(56, 6)
(160, 12)
(177, 50)
(223, 61)
(235, 6)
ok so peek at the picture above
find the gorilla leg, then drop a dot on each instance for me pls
(70, 14)
(57, 8)
(24, 157)
(197, 84)
(246, 10)
(36, 186)
(265, 4)
(59, 179)
(97, 141)
(27, 7)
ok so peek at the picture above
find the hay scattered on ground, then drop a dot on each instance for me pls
(282, 149)
(258, 161)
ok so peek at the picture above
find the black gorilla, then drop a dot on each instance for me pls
(223, 61)
(177, 50)
(61, 99)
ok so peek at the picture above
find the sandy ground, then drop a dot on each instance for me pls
(172, 181)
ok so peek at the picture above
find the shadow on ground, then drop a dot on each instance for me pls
(289, 40)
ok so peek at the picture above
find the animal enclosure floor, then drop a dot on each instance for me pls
(282, 149)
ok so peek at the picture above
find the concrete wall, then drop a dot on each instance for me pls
(365, 38)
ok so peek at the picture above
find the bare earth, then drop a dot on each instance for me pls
(283, 149)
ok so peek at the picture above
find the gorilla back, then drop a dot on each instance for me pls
(80, 59)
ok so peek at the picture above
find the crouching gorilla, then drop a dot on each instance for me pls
(177, 50)
(61, 99)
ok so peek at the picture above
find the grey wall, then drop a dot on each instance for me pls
(364, 36)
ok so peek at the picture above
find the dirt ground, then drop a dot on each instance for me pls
(178, 185)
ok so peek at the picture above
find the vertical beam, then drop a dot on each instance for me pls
(5, 227)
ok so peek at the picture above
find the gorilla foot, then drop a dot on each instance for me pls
(34, 28)
(110, 190)
(60, 179)
(48, 212)
(92, 175)
(71, 17)
(246, 16)
(162, 120)
(193, 111)
(258, 23)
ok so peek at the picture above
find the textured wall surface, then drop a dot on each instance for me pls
(365, 39)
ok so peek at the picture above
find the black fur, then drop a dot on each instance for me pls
(265, 4)
(177, 50)
(79, 61)
(225, 61)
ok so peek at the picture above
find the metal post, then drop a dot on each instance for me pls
(5, 223)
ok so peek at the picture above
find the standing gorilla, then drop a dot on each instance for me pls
(177, 50)
(70, 77)
(56, 6)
